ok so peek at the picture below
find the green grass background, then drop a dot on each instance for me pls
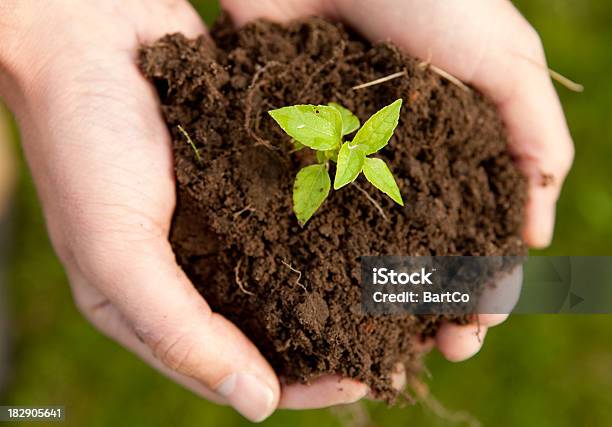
(533, 370)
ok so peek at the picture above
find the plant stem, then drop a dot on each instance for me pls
(190, 141)
(376, 205)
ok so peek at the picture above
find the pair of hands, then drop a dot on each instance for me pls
(101, 158)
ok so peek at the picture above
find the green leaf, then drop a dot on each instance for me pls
(376, 132)
(350, 122)
(350, 163)
(332, 155)
(316, 126)
(297, 145)
(321, 156)
(310, 190)
(377, 172)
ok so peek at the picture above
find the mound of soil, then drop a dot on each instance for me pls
(295, 291)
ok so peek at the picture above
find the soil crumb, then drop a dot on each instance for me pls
(234, 231)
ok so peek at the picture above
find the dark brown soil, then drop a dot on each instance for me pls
(294, 291)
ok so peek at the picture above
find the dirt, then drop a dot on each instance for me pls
(295, 291)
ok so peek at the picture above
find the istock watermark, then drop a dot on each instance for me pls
(423, 277)
(459, 285)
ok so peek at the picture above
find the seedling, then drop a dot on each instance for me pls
(322, 128)
(191, 143)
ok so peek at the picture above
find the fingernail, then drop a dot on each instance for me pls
(363, 392)
(542, 225)
(544, 230)
(398, 377)
(248, 395)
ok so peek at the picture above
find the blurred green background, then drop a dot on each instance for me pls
(533, 370)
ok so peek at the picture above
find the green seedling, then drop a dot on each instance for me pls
(191, 143)
(322, 128)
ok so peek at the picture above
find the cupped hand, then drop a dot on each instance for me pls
(488, 44)
(101, 158)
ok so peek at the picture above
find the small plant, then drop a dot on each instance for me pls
(322, 128)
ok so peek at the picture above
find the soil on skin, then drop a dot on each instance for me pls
(295, 291)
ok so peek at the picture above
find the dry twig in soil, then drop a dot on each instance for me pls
(238, 280)
(381, 80)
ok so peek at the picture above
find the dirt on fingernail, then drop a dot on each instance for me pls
(546, 179)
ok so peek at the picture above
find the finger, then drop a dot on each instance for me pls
(398, 377)
(424, 346)
(168, 16)
(497, 302)
(331, 390)
(398, 381)
(490, 320)
(326, 391)
(460, 342)
(107, 319)
(542, 143)
(243, 11)
(483, 42)
(141, 279)
(541, 209)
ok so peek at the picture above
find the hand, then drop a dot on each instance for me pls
(486, 43)
(101, 158)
